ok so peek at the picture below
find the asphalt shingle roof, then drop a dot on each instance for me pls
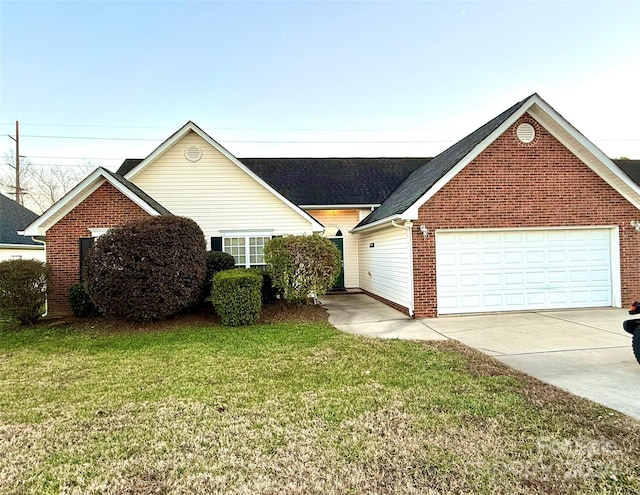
(631, 168)
(420, 181)
(128, 165)
(14, 217)
(334, 181)
(139, 192)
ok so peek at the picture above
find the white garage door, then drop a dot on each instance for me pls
(510, 270)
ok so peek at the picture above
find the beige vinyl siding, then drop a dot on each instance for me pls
(8, 253)
(384, 268)
(345, 220)
(216, 193)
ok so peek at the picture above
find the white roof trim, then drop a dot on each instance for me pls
(340, 207)
(191, 127)
(22, 246)
(375, 225)
(616, 178)
(78, 194)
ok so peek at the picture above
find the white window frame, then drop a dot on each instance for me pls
(247, 236)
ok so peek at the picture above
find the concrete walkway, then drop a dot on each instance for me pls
(583, 351)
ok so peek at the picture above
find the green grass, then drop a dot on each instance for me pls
(292, 408)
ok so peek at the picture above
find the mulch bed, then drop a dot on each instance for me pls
(203, 316)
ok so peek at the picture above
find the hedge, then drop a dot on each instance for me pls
(237, 296)
(23, 289)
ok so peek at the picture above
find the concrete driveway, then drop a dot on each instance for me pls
(583, 351)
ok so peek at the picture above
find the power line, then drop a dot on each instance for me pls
(269, 141)
(73, 157)
(289, 141)
(267, 129)
(89, 137)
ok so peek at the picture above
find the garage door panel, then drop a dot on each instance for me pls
(469, 280)
(490, 238)
(491, 258)
(469, 259)
(536, 299)
(521, 270)
(535, 257)
(491, 279)
(600, 276)
(598, 255)
(514, 300)
(511, 279)
(578, 256)
(601, 297)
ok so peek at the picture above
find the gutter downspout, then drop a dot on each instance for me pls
(408, 226)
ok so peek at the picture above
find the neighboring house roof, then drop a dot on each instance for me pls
(14, 217)
(422, 184)
(318, 182)
(79, 193)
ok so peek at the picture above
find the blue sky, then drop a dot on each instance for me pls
(270, 78)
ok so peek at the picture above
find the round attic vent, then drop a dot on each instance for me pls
(526, 133)
(193, 153)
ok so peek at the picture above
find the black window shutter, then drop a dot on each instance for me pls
(85, 245)
(216, 244)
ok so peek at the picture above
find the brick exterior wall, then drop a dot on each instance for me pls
(514, 185)
(105, 207)
(396, 306)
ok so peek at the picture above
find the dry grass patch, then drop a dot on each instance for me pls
(290, 407)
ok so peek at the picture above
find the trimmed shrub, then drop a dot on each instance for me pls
(236, 296)
(23, 289)
(148, 269)
(217, 261)
(302, 267)
(268, 291)
(81, 303)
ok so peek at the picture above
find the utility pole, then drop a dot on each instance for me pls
(18, 191)
(17, 166)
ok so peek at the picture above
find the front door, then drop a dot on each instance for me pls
(339, 242)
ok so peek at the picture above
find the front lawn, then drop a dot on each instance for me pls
(289, 407)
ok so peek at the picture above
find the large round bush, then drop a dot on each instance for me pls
(148, 269)
(302, 266)
(23, 289)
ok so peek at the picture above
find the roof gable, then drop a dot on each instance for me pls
(74, 197)
(15, 217)
(420, 186)
(134, 170)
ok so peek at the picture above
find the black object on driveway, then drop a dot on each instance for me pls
(631, 326)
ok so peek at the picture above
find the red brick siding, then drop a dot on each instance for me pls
(105, 207)
(513, 185)
(399, 307)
